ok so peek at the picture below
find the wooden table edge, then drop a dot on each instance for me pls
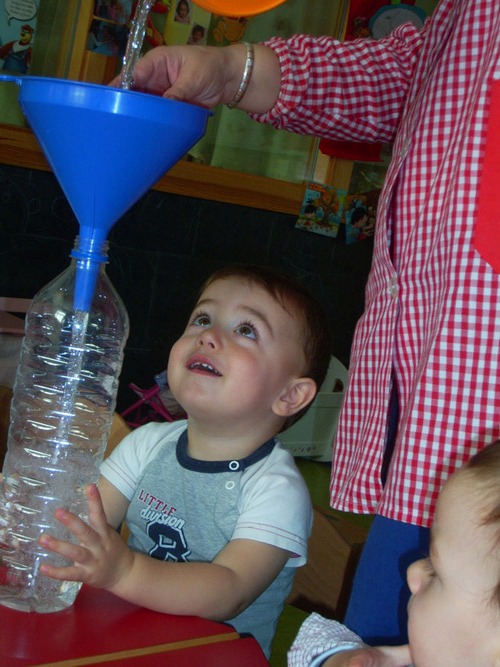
(145, 650)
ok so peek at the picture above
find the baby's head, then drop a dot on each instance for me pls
(483, 470)
(308, 314)
(454, 612)
(266, 344)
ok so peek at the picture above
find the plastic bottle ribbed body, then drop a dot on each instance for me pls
(62, 408)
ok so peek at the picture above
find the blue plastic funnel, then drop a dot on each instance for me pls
(107, 146)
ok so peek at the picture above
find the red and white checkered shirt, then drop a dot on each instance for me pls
(432, 302)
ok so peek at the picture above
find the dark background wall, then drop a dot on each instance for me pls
(161, 251)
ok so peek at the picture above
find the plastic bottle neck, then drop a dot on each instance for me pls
(90, 249)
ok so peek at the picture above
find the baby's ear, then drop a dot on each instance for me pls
(297, 394)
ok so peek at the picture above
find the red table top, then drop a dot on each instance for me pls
(102, 629)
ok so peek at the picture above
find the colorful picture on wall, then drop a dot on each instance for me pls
(325, 208)
(109, 30)
(322, 209)
(17, 34)
(367, 179)
(377, 18)
(109, 39)
(359, 218)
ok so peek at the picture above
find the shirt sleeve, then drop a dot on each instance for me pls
(318, 639)
(124, 466)
(352, 91)
(275, 506)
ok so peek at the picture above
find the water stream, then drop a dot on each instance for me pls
(73, 374)
(134, 44)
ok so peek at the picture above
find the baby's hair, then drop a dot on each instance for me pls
(484, 467)
(298, 301)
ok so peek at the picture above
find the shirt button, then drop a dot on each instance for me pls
(393, 287)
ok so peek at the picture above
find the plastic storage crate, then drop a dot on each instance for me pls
(312, 436)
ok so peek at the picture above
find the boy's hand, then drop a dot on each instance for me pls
(217, 590)
(100, 559)
(383, 656)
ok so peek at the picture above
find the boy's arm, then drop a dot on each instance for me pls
(218, 590)
(114, 502)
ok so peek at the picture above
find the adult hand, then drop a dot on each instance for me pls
(100, 558)
(382, 656)
(208, 75)
(191, 73)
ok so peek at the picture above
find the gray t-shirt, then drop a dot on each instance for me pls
(183, 509)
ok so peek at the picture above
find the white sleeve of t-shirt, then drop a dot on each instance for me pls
(124, 466)
(275, 506)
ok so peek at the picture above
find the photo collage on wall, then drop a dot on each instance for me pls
(18, 20)
(186, 23)
(168, 22)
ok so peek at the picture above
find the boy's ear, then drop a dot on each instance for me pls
(297, 394)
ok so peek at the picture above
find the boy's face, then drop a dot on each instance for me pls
(453, 620)
(238, 353)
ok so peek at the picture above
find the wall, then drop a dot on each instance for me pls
(162, 250)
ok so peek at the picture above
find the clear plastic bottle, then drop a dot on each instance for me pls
(62, 408)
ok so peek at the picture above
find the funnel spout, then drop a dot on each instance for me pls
(85, 284)
(90, 253)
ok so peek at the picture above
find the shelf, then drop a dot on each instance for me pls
(18, 147)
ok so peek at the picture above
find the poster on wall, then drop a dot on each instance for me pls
(17, 34)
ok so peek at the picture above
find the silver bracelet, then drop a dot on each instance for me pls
(245, 79)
